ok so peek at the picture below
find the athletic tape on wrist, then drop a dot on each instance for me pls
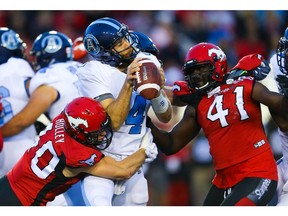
(160, 104)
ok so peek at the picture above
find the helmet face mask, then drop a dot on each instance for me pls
(87, 122)
(11, 45)
(282, 53)
(49, 48)
(205, 67)
(100, 38)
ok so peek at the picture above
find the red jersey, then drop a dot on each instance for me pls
(232, 123)
(37, 177)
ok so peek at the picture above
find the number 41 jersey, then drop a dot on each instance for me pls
(232, 122)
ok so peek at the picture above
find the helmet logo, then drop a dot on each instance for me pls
(219, 53)
(91, 44)
(52, 43)
(9, 40)
(75, 122)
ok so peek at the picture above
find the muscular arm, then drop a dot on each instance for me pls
(39, 102)
(110, 168)
(118, 109)
(172, 142)
(277, 104)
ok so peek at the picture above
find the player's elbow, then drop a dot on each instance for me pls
(124, 174)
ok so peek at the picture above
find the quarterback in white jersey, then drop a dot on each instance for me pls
(105, 80)
(279, 66)
(15, 74)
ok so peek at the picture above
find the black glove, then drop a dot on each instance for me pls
(262, 70)
(283, 84)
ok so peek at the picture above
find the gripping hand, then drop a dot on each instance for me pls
(150, 147)
(254, 64)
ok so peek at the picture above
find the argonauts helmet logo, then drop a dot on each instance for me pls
(52, 43)
(9, 40)
(91, 44)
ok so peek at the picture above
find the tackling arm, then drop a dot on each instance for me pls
(108, 167)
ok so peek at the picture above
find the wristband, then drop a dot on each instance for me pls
(160, 104)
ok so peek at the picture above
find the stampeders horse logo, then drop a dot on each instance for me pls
(90, 161)
(220, 54)
(75, 122)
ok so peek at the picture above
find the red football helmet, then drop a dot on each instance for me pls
(79, 50)
(211, 61)
(87, 122)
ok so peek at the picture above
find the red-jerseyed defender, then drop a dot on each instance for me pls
(229, 113)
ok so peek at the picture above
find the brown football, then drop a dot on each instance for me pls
(148, 80)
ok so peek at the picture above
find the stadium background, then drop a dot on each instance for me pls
(182, 179)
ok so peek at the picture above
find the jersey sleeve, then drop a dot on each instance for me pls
(95, 79)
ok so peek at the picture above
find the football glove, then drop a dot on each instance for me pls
(181, 90)
(150, 147)
(283, 84)
(253, 65)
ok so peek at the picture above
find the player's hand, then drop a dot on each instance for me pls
(180, 88)
(254, 64)
(132, 69)
(150, 147)
(283, 84)
(262, 70)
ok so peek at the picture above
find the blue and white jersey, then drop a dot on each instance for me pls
(62, 77)
(101, 79)
(15, 74)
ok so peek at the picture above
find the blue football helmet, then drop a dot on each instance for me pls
(102, 35)
(282, 53)
(145, 43)
(11, 45)
(50, 48)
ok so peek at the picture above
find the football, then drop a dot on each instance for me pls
(148, 82)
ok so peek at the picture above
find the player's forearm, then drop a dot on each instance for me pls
(134, 161)
(13, 127)
(118, 109)
(162, 107)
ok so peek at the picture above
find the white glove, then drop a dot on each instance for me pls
(151, 150)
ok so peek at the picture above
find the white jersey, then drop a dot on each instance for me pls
(97, 79)
(14, 75)
(275, 69)
(62, 77)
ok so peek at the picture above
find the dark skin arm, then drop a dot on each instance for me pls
(277, 104)
(172, 142)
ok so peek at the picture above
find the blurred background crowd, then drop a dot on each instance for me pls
(182, 179)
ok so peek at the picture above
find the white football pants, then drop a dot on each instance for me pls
(98, 191)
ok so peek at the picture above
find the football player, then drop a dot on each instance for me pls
(51, 88)
(246, 172)
(279, 67)
(16, 73)
(109, 78)
(66, 151)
